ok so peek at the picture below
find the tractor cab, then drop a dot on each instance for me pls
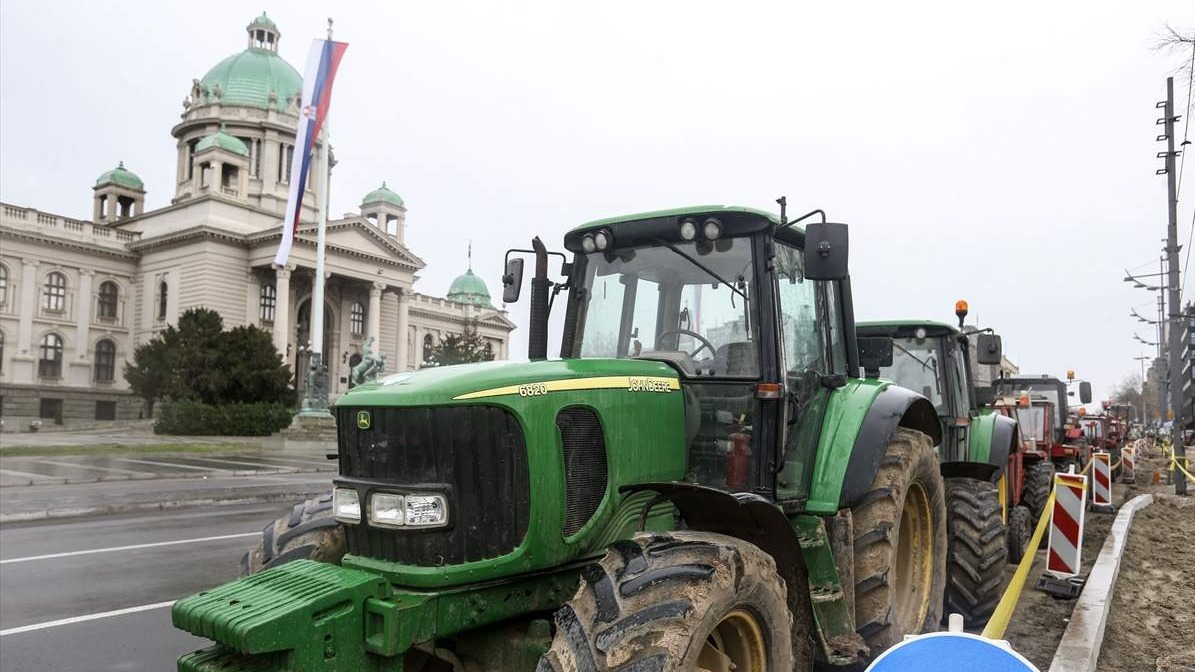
(1051, 395)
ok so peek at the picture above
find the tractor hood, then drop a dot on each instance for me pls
(492, 381)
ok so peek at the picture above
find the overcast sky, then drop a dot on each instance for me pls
(1003, 153)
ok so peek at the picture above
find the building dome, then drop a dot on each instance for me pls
(469, 288)
(120, 176)
(383, 195)
(256, 77)
(224, 141)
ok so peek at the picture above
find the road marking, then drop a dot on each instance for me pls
(247, 464)
(74, 465)
(171, 464)
(300, 460)
(88, 617)
(26, 474)
(129, 548)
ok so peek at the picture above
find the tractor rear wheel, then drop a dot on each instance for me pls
(976, 551)
(308, 532)
(672, 602)
(900, 544)
(1020, 529)
(1039, 481)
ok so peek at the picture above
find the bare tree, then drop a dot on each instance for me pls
(1128, 391)
(1174, 42)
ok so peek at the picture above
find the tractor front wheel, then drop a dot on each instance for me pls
(1039, 481)
(308, 532)
(976, 551)
(1020, 529)
(900, 544)
(673, 602)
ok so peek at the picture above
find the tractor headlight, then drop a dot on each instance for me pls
(601, 240)
(387, 509)
(346, 505)
(688, 229)
(587, 243)
(711, 229)
(426, 511)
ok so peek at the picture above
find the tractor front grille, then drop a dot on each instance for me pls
(475, 455)
(584, 465)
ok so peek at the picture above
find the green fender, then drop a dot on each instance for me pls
(991, 439)
(859, 419)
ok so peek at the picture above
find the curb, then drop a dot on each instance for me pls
(141, 507)
(1079, 649)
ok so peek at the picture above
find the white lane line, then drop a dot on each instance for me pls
(247, 464)
(128, 548)
(171, 464)
(299, 460)
(26, 474)
(75, 465)
(81, 619)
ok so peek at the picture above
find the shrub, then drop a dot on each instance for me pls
(192, 418)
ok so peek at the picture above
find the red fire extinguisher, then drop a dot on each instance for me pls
(738, 458)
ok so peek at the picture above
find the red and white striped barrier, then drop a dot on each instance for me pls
(1128, 463)
(1101, 482)
(1065, 546)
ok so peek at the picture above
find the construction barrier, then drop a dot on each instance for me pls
(1065, 546)
(1128, 463)
(1101, 482)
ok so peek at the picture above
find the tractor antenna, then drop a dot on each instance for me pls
(783, 201)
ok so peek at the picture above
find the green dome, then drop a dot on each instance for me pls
(469, 288)
(248, 78)
(121, 176)
(383, 195)
(224, 141)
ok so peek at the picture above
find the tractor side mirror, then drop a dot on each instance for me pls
(989, 349)
(985, 396)
(1084, 392)
(826, 251)
(875, 352)
(512, 282)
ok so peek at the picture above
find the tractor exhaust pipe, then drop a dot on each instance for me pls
(537, 338)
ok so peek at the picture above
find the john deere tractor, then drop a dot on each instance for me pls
(701, 481)
(933, 358)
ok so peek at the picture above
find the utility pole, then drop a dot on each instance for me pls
(1144, 406)
(1172, 325)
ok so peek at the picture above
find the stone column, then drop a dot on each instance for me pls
(84, 313)
(373, 315)
(282, 308)
(252, 297)
(28, 307)
(403, 328)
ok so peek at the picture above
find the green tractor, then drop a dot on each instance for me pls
(977, 451)
(701, 481)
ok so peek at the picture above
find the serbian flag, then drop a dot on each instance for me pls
(322, 62)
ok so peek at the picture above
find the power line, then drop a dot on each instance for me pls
(1182, 287)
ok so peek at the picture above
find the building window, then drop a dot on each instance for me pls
(3, 284)
(429, 344)
(269, 301)
(105, 410)
(49, 363)
(163, 291)
(109, 299)
(105, 361)
(51, 409)
(357, 319)
(54, 297)
(1, 351)
(285, 156)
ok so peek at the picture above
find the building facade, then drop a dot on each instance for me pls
(77, 297)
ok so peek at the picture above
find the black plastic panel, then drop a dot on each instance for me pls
(585, 469)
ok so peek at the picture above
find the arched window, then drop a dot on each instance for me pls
(109, 300)
(49, 363)
(269, 301)
(357, 319)
(3, 284)
(54, 295)
(429, 344)
(105, 361)
(1, 350)
(163, 291)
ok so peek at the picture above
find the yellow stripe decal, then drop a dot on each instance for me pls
(627, 383)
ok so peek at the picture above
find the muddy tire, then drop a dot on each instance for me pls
(900, 544)
(308, 532)
(1018, 533)
(975, 549)
(672, 602)
(1039, 480)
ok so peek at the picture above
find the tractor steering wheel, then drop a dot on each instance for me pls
(705, 343)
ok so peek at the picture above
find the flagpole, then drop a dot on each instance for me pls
(316, 399)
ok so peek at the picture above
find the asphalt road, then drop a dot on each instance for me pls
(84, 578)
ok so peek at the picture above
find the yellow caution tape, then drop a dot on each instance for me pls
(1175, 465)
(998, 623)
(1087, 468)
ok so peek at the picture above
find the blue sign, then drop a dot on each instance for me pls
(950, 652)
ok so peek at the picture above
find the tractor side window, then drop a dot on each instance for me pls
(802, 334)
(958, 384)
(834, 328)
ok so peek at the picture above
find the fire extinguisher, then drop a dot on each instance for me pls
(738, 458)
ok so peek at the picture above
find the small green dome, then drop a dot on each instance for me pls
(263, 21)
(121, 176)
(249, 78)
(224, 141)
(382, 195)
(469, 288)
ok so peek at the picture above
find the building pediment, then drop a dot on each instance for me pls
(348, 237)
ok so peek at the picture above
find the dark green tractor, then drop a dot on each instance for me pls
(702, 480)
(934, 359)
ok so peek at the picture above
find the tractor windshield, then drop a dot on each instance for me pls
(686, 303)
(1032, 423)
(916, 364)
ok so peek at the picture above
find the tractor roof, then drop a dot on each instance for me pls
(646, 228)
(690, 211)
(892, 327)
